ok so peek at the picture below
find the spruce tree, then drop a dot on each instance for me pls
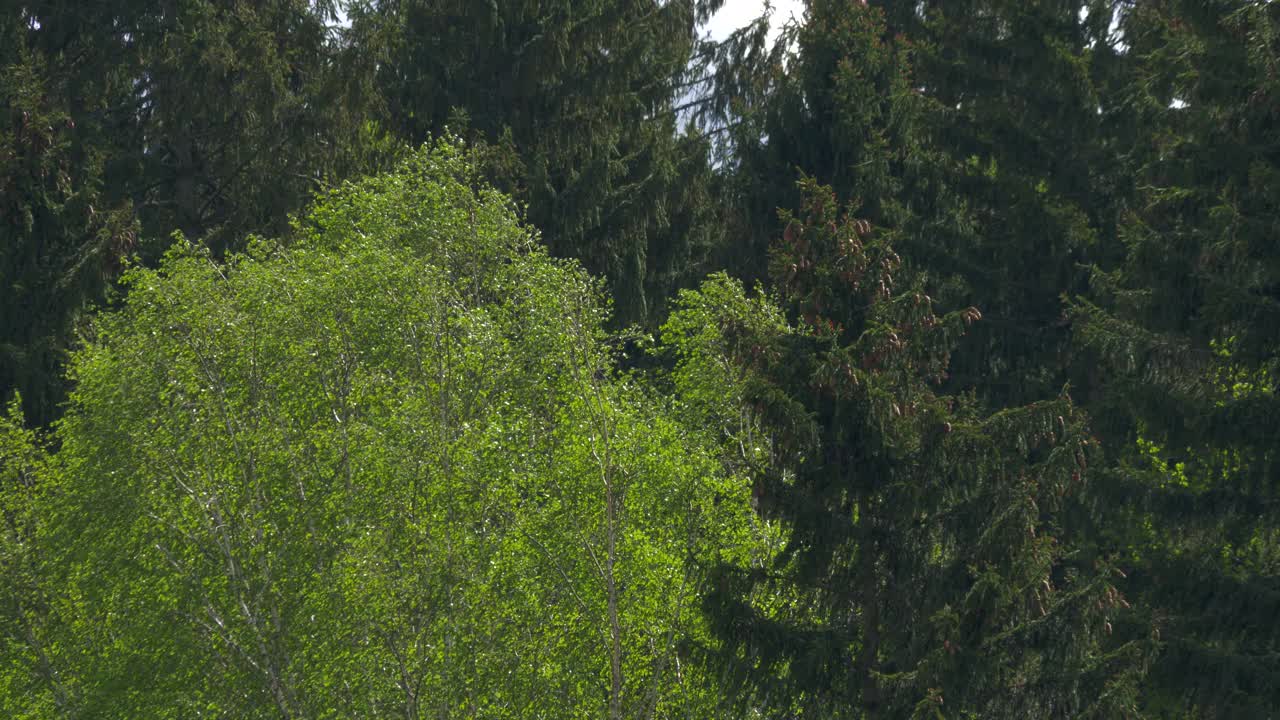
(1024, 122)
(126, 121)
(578, 103)
(978, 132)
(1186, 326)
(922, 566)
(62, 232)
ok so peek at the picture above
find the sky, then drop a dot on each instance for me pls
(734, 14)
(737, 13)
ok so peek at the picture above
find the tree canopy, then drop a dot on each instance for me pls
(557, 359)
(391, 471)
(925, 564)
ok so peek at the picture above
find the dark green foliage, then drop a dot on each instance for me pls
(1188, 325)
(923, 569)
(225, 118)
(387, 465)
(577, 100)
(1022, 120)
(973, 131)
(61, 232)
(840, 110)
(126, 121)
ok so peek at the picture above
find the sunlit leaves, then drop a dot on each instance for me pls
(387, 469)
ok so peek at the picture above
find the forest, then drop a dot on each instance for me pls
(561, 359)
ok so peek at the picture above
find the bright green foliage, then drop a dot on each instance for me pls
(1188, 325)
(386, 464)
(923, 573)
(385, 472)
(577, 101)
(32, 682)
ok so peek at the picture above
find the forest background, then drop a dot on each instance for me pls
(554, 358)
